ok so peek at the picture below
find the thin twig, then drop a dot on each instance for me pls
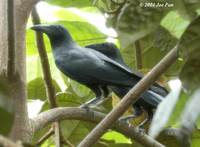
(66, 142)
(11, 40)
(45, 136)
(138, 55)
(46, 73)
(57, 134)
(73, 113)
(130, 98)
(44, 61)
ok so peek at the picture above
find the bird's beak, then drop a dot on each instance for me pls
(41, 28)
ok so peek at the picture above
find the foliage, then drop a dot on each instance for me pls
(158, 29)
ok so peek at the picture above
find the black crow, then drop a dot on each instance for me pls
(150, 99)
(96, 69)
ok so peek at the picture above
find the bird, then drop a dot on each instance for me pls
(148, 101)
(98, 69)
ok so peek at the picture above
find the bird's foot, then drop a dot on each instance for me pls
(127, 119)
(84, 106)
(141, 126)
(93, 103)
(142, 130)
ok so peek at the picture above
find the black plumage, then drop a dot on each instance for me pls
(97, 68)
(150, 99)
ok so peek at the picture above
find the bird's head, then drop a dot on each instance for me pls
(56, 33)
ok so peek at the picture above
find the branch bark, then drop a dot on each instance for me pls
(44, 61)
(5, 142)
(15, 62)
(11, 40)
(131, 97)
(138, 55)
(72, 113)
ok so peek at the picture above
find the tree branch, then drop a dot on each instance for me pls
(57, 138)
(72, 113)
(44, 61)
(11, 40)
(138, 55)
(66, 142)
(5, 142)
(130, 98)
(46, 73)
(45, 137)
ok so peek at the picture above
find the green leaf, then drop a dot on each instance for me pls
(40, 133)
(190, 52)
(135, 22)
(6, 105)
(31, 43)
(82, 32)
(189, 41)
(153, 48)
(175, 24)
(68, 99)
(80, 90)
(37, 90)
(7, 119)
(34, 70)
(195, 139)
(66, 14)
(116, 137)
(187, 9)
(76, 130)
(71, 3)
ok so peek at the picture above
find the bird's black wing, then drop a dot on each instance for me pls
(87, 64)
(108, 49)
(111, 51)
(151, 98)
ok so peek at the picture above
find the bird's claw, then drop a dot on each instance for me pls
(125, 120)
(141, 129)
(85, 106)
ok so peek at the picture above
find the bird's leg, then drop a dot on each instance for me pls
(105, 95)
(137, 112)
(91, 102)
(143, 123)
(146, 120)
(101, 94)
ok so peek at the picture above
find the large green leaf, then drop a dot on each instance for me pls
(175, 24)
(34, 70)
(80, 90)
(115, 136)
(190, 51)
(137, 20)
(6, 106)
(7, 119)
(37, 90)
(31, 43)
(187, 9)
(82, 32)
(71, 3)
(153, 48)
